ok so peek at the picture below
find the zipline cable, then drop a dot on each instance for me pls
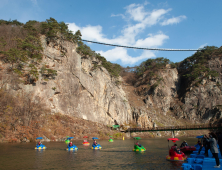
(140, 48)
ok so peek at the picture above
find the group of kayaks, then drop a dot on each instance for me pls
(72, 147)
(173, 154)
(97, 146)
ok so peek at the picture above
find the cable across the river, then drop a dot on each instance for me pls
(140, 48)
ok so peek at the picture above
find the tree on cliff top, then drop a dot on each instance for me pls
(25, 44)
(197, 64)
(152, 64)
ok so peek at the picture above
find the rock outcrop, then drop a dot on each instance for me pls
(169, 97)
(79, 89)
(83, 88)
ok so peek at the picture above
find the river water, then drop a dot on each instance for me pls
(116, 155)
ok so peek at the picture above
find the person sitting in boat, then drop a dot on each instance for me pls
(177, 150)
(39, 143)
(85, 140)
(70, 144)
(137, 143)
(94, 142)
(183, 144)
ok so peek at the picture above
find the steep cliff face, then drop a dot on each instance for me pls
(83, 88)
(202, 100)
(151, 99)
(79, 89)
(168, 98)
(164, 93)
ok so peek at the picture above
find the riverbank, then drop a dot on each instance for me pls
(56, 130)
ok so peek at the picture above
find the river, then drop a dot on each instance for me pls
(116, 155)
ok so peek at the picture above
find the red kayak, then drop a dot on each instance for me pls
(173, 156)
(188, 148)
(85, 142)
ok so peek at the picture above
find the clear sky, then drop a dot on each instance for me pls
(177, 24)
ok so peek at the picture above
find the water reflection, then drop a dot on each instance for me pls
(39, 151)
(71, 155)
(39, 158)
(86, 147)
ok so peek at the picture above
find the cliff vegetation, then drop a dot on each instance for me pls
(52, 84)
(24, 115)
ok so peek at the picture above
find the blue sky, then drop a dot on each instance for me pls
(177, 24)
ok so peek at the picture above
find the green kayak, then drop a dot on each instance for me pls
(138, 148)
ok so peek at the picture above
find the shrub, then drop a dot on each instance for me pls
(24, 48)
(197, 65)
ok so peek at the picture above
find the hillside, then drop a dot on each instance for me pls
(40, 64)
(177, 93)
(53, 85)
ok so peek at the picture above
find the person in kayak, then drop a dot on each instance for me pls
(70, 144)
(137, 143)
(183, 144)
(94, 142)
(177, 150)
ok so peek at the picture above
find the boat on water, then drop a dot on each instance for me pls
(70, 146)
(39, 145)
(137, 146)
(111, 140)
(96, 146)
(85, 142)
(173, 154)
(188, 149)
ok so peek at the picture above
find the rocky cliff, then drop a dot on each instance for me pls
(79, 90)
(56, 78)
(83, 88)
(155, 103)
(169, 97)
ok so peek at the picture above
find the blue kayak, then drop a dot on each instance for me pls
(98, 146)
(72, 148)
(41, 146)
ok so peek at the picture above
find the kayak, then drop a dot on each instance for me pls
(139, 148)
(86, 143)
(41, 146)
(188, 148)
(96, 147)
(174, 156)
(110, 140)
(72, 148)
